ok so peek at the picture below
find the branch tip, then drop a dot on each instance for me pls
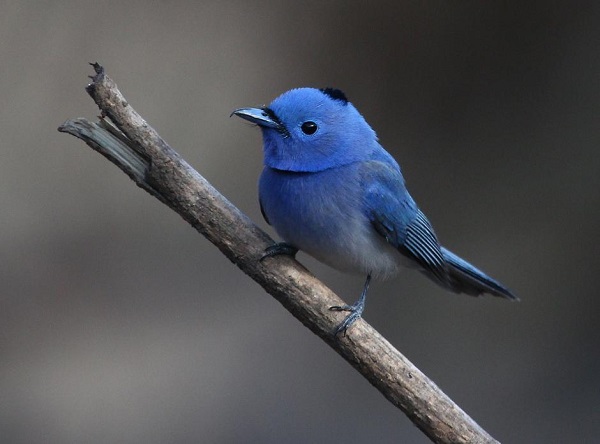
(99, 69)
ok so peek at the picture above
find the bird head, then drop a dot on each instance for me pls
(309, 130)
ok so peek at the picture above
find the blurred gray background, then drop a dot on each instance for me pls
(119, 323)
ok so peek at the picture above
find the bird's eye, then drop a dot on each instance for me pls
(309, 128)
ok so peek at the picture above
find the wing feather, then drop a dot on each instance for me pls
(396, 217)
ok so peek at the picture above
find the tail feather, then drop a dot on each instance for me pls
(465, 278)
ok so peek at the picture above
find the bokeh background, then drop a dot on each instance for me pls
(119, 323)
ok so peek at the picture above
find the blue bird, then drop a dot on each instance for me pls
(330, 189)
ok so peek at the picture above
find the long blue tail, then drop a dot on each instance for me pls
(465, 278)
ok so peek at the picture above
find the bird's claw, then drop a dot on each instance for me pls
(344, 307)
(279, 249)
(355, 310)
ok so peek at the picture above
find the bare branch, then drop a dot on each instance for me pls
(145, 157)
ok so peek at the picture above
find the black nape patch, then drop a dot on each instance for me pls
(335, 94)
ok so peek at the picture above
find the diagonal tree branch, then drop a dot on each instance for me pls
(138, 150)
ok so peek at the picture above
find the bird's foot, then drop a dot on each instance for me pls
(355, 310)
(279, 249)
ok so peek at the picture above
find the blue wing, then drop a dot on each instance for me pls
(396, 217)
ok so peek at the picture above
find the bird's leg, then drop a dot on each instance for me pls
(279, 249)
(355, 309)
